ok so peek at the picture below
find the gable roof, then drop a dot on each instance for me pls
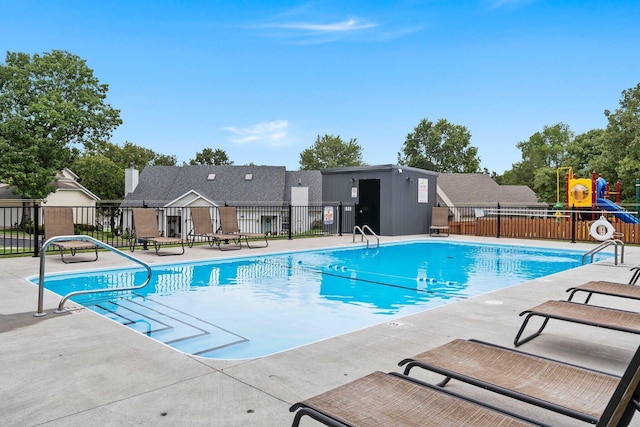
(65, 180)
(221, 183)
(480, 190)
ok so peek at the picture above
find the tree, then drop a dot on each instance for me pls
(622, 143)
(164, 160)
(139, 156)
(331, 151)
(542, 154)
(211, 157)
(50, 105)
(102, 171)
(101, 176)
(443, 147)
(584, 152)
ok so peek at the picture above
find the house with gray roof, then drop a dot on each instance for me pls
(469, 196)
(261, 195)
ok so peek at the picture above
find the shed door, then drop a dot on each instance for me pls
(368, 208)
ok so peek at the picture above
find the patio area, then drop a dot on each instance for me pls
(78, 368)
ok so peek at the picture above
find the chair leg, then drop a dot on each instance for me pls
(157, 247)
(73, 253)
(517, 342)
(312, 413)
(261, 246)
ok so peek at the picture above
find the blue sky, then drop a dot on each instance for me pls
(262, 79)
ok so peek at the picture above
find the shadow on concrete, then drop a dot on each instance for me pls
(10, 322)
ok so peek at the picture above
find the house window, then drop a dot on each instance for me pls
(248, 176)
(211, 177)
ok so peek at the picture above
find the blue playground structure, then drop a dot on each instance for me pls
(617, 211)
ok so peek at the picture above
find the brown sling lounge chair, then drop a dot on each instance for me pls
(439, 221)
(229, 225)
(612, 289)
(59, 222)
(609, 318)
(395, 400)
(568, 389)
(203, 229)
(145, 226)
(605, 288)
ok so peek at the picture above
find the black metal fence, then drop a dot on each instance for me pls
(23, 229)
(112, 222)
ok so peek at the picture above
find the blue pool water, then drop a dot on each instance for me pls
(250, 307)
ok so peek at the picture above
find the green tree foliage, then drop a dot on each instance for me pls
(130, 154)
(440, 147)
(50, 105)
(101, 175)
(622, 144)
(209, 156)
(164, 160)
(584, 153)
(331, 152)
(542, 154)
(97, 168)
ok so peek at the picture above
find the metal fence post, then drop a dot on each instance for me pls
(637, 196)
(340, 219)
(498, 234)
(573, 224)
(290, 207)
(36, 230)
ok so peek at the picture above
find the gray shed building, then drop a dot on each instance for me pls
(392, 200)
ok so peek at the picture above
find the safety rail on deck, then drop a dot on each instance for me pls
(65, 298)
(364, 236)
(606, 244)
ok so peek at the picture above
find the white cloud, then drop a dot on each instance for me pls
(349, 25)
(309, 32)
(272, 133)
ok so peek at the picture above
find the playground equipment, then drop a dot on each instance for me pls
(592, 193)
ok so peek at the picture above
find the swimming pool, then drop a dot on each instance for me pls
(255, 306)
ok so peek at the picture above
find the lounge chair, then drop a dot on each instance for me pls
(568, 389)
(229, 225)
(394, 400)
(609, 318)
(203, 229)
(439, 221)
(605, 288)
(145, 225)
(58, 221)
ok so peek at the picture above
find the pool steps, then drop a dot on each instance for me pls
(167, 325)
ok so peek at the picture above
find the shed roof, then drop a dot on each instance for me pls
(463, 189)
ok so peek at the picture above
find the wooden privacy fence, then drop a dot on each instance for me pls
(541, 228)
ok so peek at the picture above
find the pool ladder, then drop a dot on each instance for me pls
(364, 236)
(65, 298)
(606, 244)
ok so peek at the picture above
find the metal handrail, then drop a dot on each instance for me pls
(363, 235)
(43, 257)
(605, 244)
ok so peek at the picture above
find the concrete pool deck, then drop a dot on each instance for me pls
(79, 368)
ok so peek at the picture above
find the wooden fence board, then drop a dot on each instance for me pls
(540, 228)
